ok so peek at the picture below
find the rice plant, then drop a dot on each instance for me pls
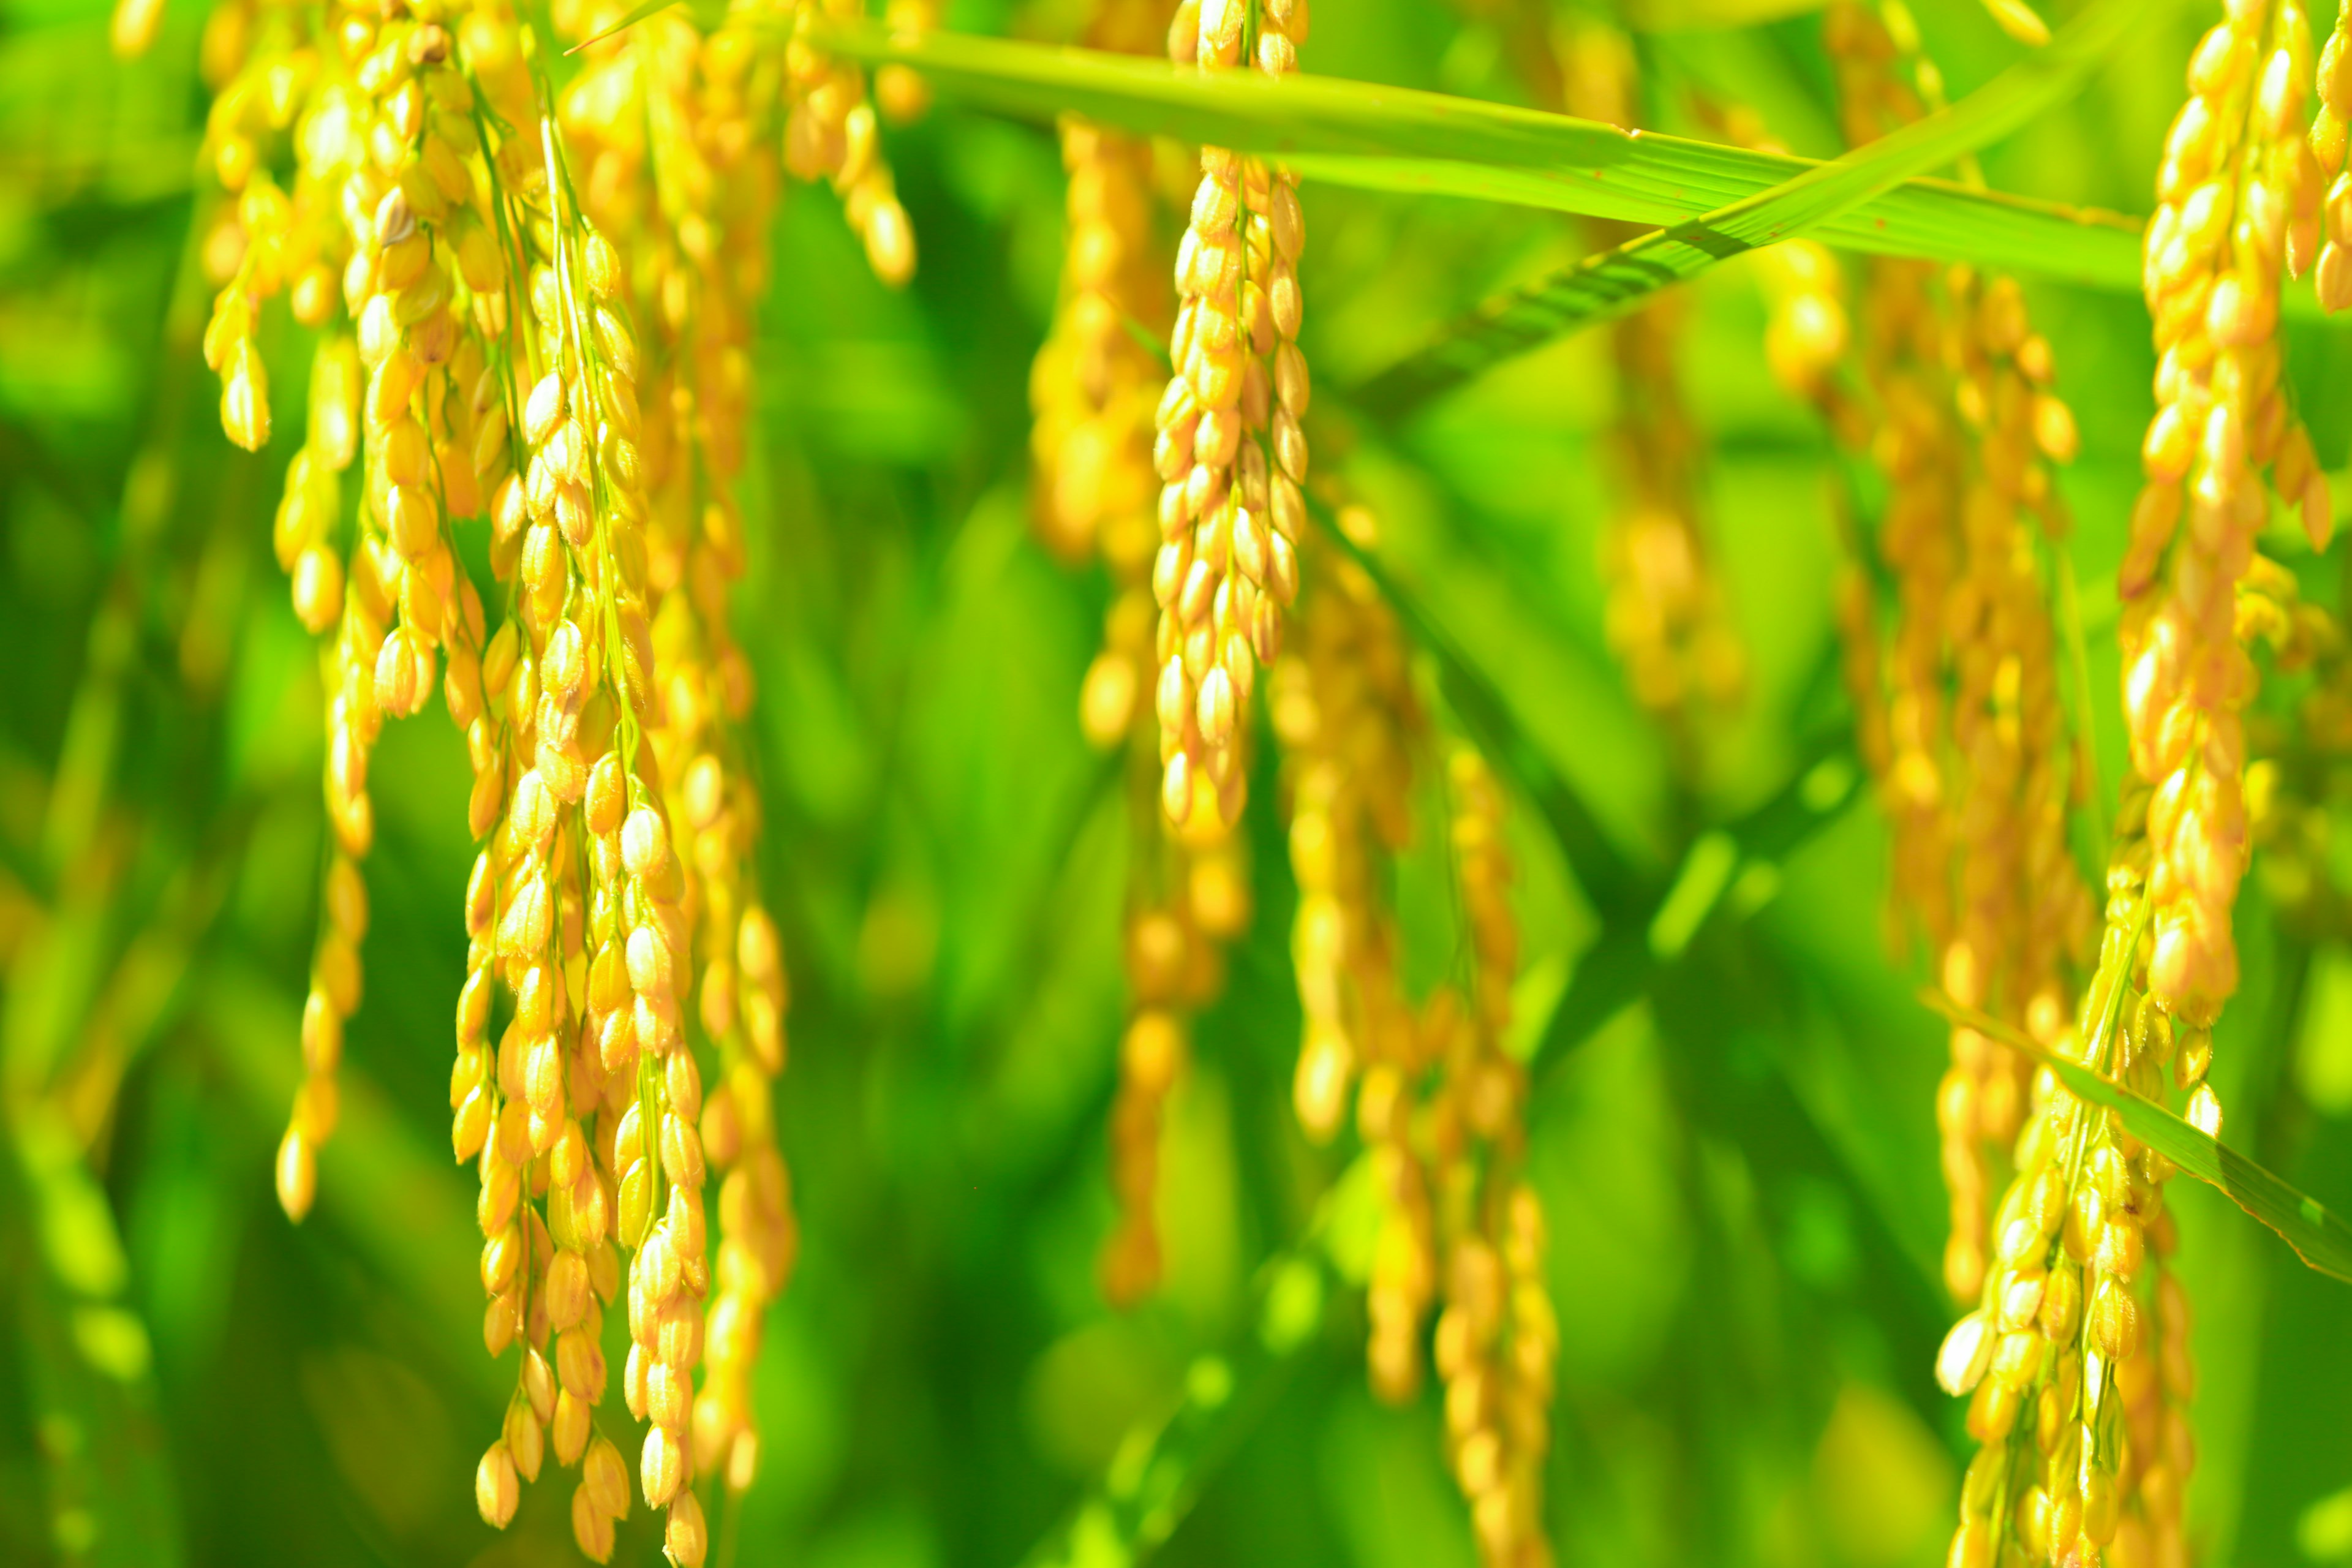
(1714, 938)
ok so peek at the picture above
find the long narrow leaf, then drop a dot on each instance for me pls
(1646, 923)
(629, 19)
(396, 1197)
(1160, 1470)
(1642, 943)
(1677, 15)
(1746, 1095)
(1396, 139)
(1615, 281)
(1244, 109)
(86, 1363)
(1604, 874)
(2319, 1238)
(1927, 219)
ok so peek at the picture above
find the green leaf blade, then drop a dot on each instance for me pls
(2321, 1238)
(1376, 137)
(1603, 287)
(1607, 877)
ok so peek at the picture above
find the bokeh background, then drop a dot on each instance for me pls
(1739, 1166)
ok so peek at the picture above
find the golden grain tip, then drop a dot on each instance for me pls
(1966, 1352)
(298, 1173)
(2019, 21)
(496, 1488)
(591, 1527)
(134, 26)
(686, 1538)
(245, 397)
(662, 1470)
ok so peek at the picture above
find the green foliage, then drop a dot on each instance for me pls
(2320, 1238)
(1397, 139)
(1732, 1127)
(1611, 284)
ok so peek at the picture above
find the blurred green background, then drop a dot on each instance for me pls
(1739, 1167)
